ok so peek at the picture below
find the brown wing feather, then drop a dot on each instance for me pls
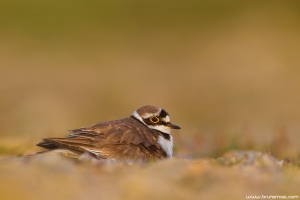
(121, 139)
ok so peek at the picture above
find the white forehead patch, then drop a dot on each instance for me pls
(166, 119)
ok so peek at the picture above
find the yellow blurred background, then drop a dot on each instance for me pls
(226, 71)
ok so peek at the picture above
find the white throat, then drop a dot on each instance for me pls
(166, 145)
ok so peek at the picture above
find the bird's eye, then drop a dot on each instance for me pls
(154, 119)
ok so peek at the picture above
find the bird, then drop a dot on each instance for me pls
(145, 136)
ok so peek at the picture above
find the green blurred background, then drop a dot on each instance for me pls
(227, 71)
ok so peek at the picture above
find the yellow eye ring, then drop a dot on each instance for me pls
(154, 119)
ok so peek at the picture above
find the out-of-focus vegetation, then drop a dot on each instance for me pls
(226, 71)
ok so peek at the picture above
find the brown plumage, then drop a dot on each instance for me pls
(128, 138)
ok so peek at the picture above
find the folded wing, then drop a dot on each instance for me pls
(114, 139)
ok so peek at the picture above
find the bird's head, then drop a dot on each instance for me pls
(155, 118)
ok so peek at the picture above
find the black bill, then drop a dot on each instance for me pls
(173, 126)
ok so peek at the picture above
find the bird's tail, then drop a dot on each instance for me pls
(63, 152)
(38, 153)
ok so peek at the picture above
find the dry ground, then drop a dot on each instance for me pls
(55, 177)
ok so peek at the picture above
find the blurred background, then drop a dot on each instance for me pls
(227, 72)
